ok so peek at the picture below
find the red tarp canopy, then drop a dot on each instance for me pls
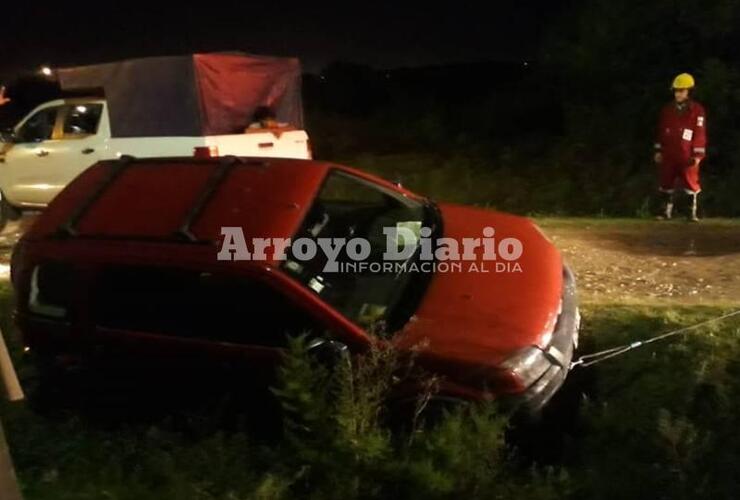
(193, 95)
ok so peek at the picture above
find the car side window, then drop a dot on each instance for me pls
(191, 304)
(82, 120)
(39, 127)
(251, 313)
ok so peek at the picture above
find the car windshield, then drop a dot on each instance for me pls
(378, 296)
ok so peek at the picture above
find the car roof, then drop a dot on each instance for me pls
(154, 199)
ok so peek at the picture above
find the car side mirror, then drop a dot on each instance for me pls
(328, 352)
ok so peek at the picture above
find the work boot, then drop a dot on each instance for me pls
(667, 207)
(693, 217)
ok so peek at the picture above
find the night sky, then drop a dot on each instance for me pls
(382, 35)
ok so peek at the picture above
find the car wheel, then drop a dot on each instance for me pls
(7, 212)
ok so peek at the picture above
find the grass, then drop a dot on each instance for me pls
(550, 186)
(662, 418)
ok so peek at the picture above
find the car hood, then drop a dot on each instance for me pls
(485, 317)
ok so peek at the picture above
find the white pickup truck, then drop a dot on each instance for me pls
(60, 139)
(157, 107)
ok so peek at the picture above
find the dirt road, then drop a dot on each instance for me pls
(636, 261)
(618, 260)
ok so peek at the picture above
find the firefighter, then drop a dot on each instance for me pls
(681, 146)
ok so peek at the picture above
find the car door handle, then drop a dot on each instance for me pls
(42, 153)
(88, 151)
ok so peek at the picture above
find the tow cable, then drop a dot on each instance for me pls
(597, 357)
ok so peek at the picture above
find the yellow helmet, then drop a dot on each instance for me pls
(683, 81)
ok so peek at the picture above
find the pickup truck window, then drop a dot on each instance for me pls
(81, 120)
(40, 127)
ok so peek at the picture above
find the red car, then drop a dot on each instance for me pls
(129, 258)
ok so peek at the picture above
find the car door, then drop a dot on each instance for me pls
(28, 157)
(188, 315)
(51, 148)
(79, 146)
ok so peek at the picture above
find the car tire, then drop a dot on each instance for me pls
(7, 212)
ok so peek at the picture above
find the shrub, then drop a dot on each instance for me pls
(338, 446)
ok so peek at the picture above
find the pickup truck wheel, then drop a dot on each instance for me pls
(7, 212)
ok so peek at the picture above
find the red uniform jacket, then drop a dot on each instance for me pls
(682, 135)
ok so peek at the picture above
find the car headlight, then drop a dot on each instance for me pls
(528, 365)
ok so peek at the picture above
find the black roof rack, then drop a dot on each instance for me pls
(220, 174)
(69, 227)
(184, 233)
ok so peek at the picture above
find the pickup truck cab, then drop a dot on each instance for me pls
(56, 141)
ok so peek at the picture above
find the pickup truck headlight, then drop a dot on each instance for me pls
(528, 365)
